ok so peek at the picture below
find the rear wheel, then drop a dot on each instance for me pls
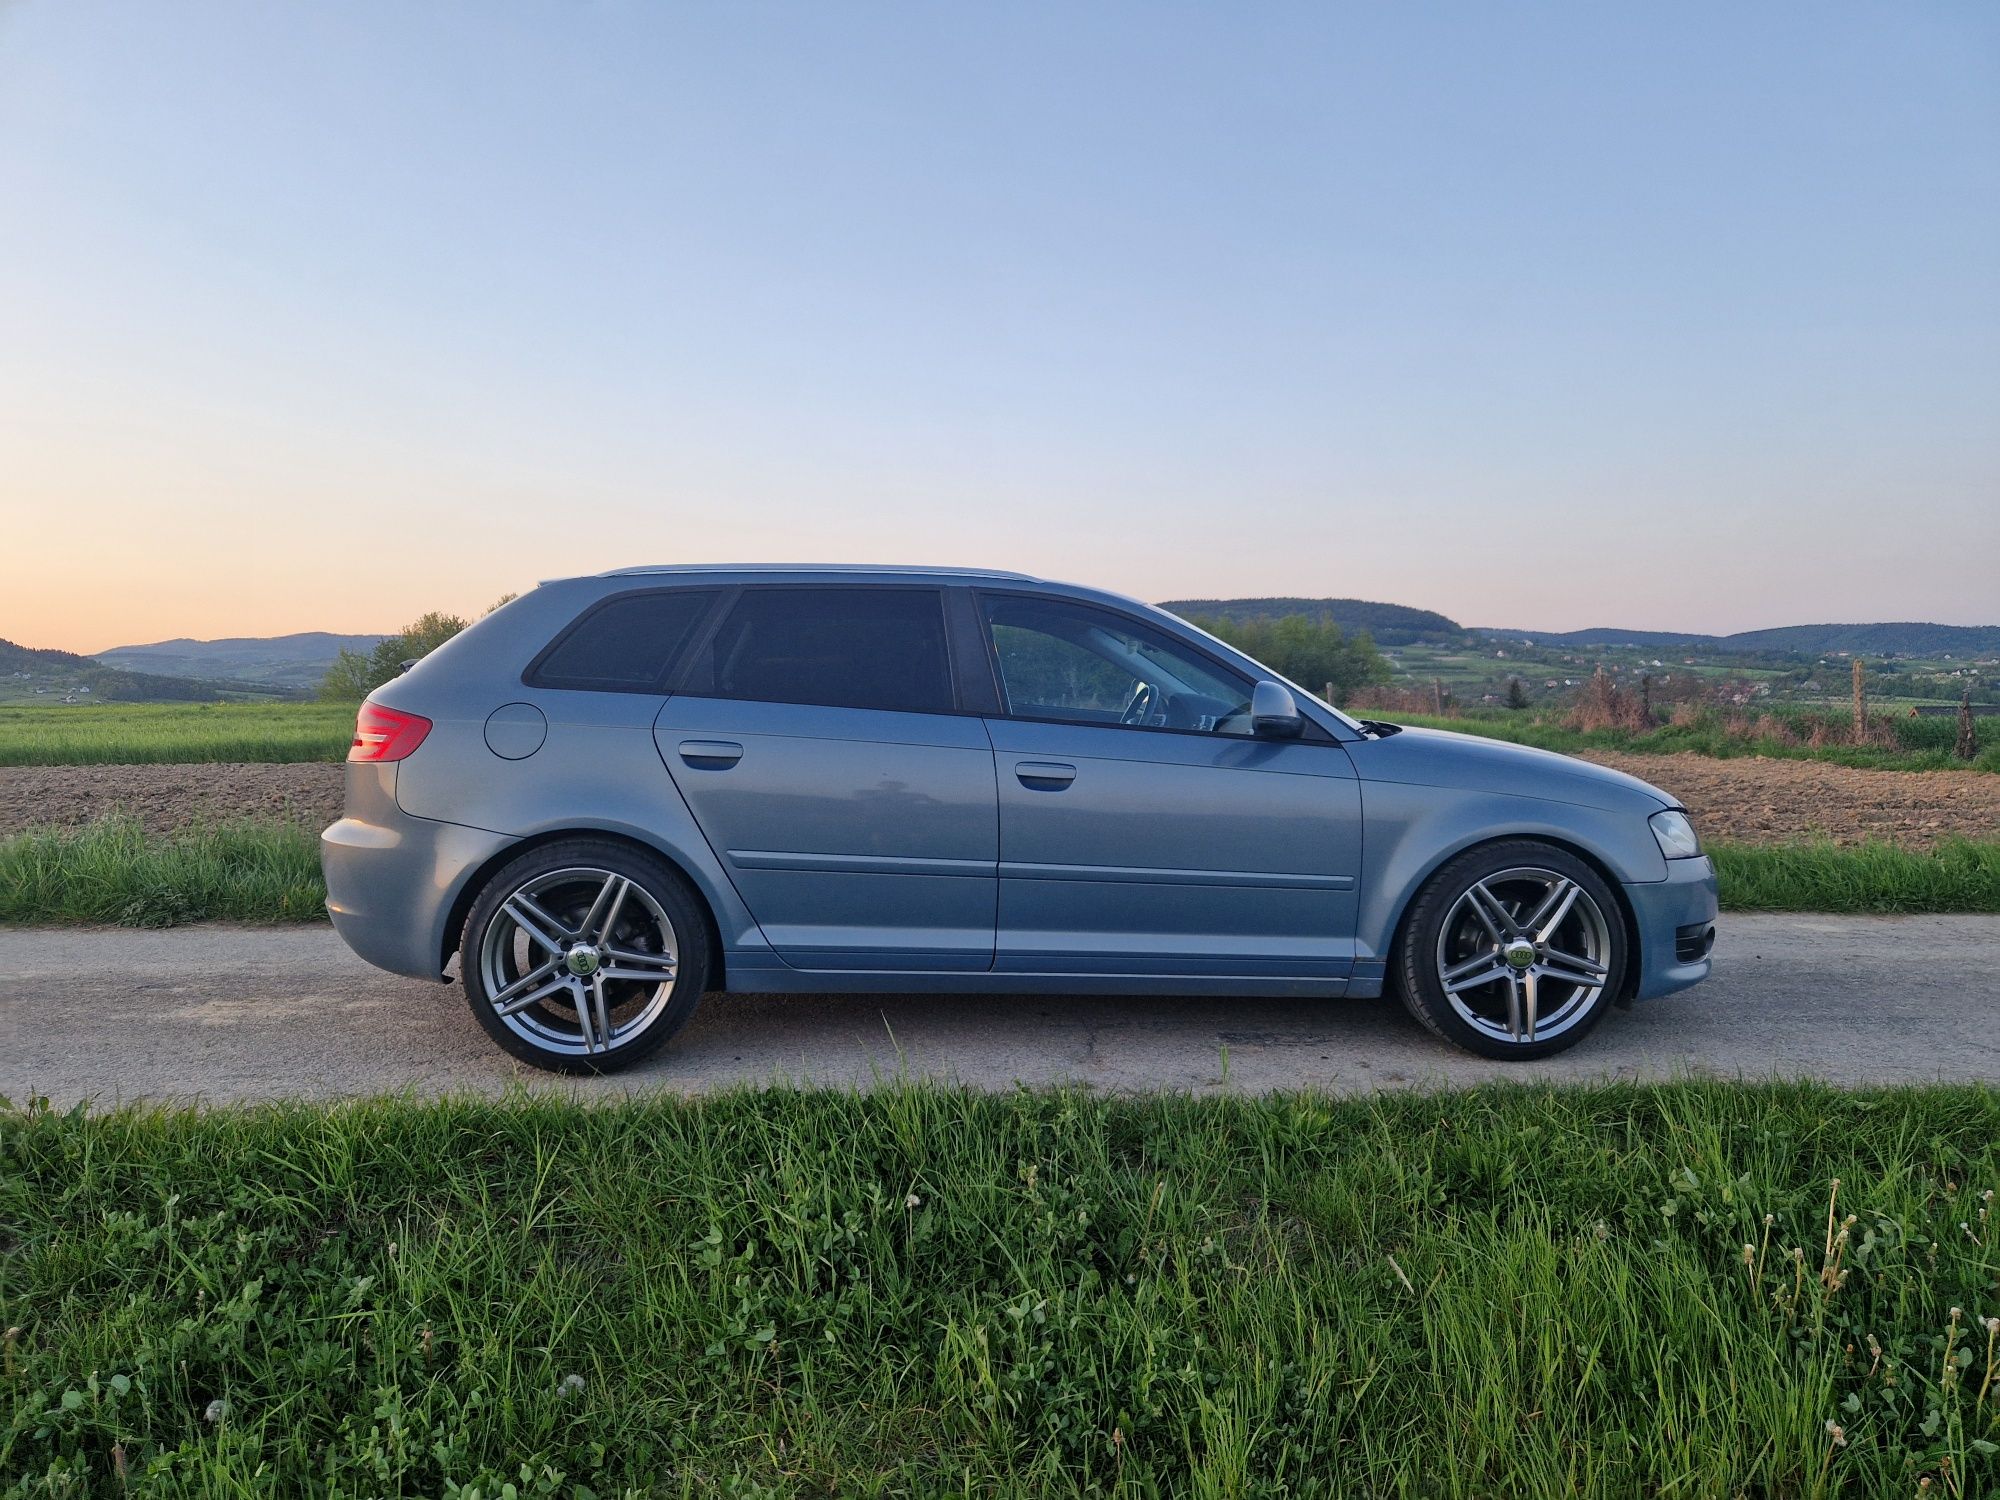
(584, 956)
(1513, 950)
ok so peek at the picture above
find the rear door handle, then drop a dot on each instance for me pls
(1044, 775)
(711, 755)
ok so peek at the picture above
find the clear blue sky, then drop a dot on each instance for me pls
(1668, 316)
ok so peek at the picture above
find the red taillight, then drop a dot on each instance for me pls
(386, 733)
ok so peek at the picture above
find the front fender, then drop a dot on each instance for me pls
(1410, 832)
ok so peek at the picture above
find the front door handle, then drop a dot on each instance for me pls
(1044, 775)
(711, 755)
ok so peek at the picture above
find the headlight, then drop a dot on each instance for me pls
(1674, 834)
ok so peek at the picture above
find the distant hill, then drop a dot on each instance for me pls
(31, 676)
(1389, 624)
(1898, 638)
(296, 662)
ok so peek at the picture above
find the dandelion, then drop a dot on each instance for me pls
(1749, 1255)
(217, 1410)
(572, 1385)
(913, 1201)
(1838, 1433)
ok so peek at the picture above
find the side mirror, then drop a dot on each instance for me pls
(1274, 713)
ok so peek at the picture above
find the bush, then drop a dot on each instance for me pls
(1312, 653)
(354, 676)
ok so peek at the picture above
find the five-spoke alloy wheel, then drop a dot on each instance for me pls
(584, 956)
(1512, 950)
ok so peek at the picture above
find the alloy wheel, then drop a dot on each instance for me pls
(579, 960)
(1524, 955)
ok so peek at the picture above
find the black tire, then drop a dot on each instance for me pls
(1422, 947)
(568, 872)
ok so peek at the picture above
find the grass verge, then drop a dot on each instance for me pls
(1957, 875)
(114, 871)
(1688, 1289)
(149, 733)
(252, 871)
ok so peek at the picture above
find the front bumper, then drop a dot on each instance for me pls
(1676, 919)
(392, 881)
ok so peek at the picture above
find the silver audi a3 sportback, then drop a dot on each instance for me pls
(619, 792)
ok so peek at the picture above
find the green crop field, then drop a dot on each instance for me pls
(1920, 744)
(1693, 1289)
(140, 733)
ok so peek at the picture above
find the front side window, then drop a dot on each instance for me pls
(838, 647)
(626, 644)
(1068, 661)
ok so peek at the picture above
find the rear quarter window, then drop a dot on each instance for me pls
(879, 648)
(626, 644)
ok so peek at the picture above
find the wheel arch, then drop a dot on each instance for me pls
(469, 891)
(1627, 918)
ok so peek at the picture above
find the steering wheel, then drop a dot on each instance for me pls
(1139, 707)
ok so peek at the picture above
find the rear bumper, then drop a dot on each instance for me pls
(391, 882)
(1676, 918)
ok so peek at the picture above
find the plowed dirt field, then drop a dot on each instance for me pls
(1744, 800)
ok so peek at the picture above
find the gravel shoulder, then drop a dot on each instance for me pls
(1747, 800)
(230, 1015)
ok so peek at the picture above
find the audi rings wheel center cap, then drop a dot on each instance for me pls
(583, 960)
(1519, 953)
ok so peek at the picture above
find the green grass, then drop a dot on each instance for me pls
(1959, 875)
(1922, 744)
(1513, 1291)
(139, 733)
(255, 871)
(114, 872)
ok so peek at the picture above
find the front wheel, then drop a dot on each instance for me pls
(1512, 950)
(584, 956)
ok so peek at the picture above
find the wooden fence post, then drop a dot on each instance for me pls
(1967, 744)
(1437, 696)
(1860, 703)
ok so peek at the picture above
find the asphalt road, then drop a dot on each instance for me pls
(230, 1014)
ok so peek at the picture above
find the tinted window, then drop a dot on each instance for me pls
(843, 647)
(1060, 660)
(626, 644)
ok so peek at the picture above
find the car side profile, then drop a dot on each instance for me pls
(620, 792)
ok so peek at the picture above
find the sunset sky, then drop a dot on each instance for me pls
(1671, 317)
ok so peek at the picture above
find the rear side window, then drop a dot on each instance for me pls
(840, 647)
(625, 645)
